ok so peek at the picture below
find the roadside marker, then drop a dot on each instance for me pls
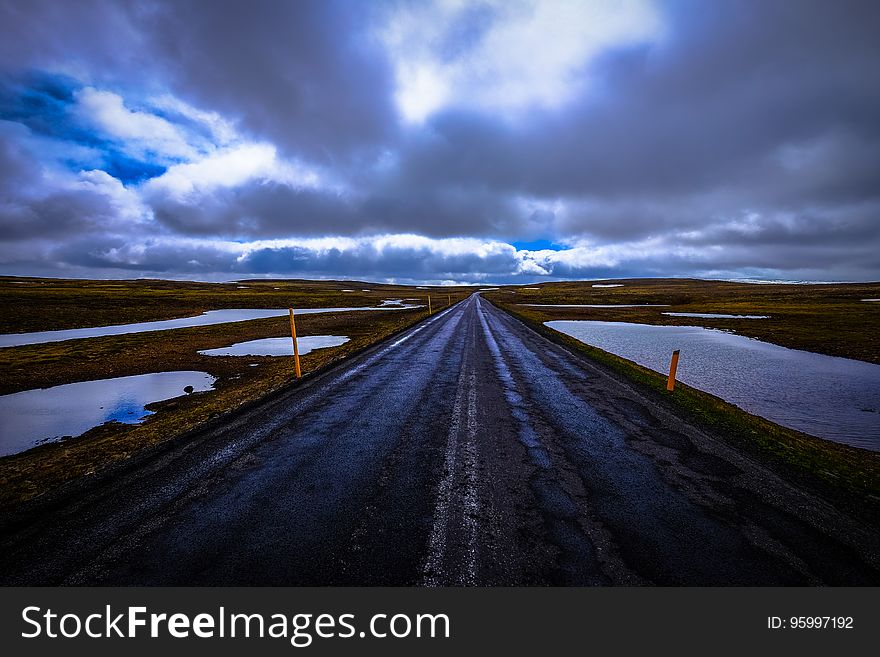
(670, 382)
(295, 346)
(448, 299)
(429, 304)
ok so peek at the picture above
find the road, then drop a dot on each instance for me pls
(468, 450)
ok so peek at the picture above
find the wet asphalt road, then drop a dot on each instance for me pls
(466, 451)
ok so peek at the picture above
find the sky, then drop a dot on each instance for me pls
(500, 141)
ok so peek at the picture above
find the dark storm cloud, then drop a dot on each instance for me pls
(260, 209)
(401, 262)
(30, 209)
(301, 74)
(708, 108)
(745, 139)
(410, 261)
(768, 107)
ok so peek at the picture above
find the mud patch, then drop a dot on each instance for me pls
(636, 412)
(708, 464)
(674, 439)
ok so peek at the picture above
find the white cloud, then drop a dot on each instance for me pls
(221, 130)
(230, 167)
(524, 54)
(141, 134)
(126, 201)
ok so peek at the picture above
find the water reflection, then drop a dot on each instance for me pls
(205, 319)
(596, 305)
(33, 417)
(825, 396)
(716, 316)
(278, 346)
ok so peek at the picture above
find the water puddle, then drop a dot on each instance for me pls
(833, 398)
(205, 319)
(717, 316)
(607, 285)
(33, 417)
(278, 346)
(596, 305)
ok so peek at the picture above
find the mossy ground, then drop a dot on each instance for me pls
(827, 319)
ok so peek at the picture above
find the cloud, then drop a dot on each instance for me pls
(229, 168)
(142, 134)
(643, 138)
(505, 56)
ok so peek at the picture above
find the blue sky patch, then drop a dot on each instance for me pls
(42, 102)
(537, 245)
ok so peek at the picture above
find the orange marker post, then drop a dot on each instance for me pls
(670, 382)
(295, 346)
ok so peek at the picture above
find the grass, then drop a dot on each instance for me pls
(847, 475)
(828, 319)
(45, 468)
(44, 304)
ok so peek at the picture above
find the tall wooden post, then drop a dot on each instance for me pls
(295, 346)
(670, 382)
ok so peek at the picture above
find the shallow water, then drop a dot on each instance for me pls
(607, 285)
(596, 305)
(205, 319)
(32, 417)
(717, 316)
(278, 346)
(825, 396)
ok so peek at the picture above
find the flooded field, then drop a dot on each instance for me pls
(596, 305)
(34, 417)
(825, 396)
(278, 346)
(716, 316)
(205, 319)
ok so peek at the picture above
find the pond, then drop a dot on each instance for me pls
(716, 316)
(33, 417)
(278, 346)
(205, 319)
(596, 305)
(825, 396)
